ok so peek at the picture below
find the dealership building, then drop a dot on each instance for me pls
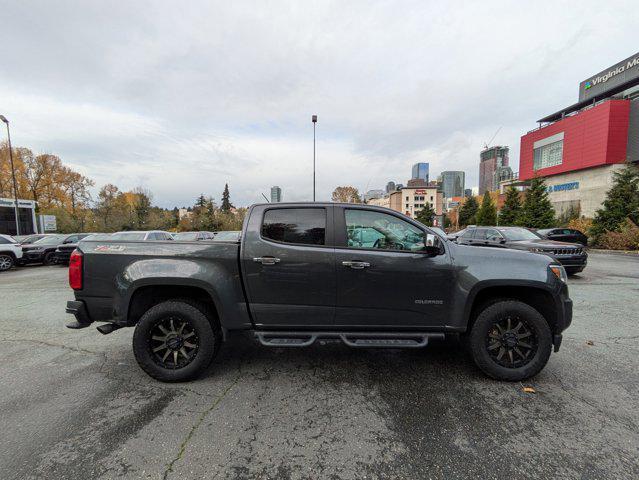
(578, 148)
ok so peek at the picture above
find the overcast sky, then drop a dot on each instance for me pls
(182, 97)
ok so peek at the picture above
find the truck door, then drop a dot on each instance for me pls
(289, 268)
(383, 277)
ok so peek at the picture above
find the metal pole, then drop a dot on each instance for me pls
(13, 174)
(314, 119)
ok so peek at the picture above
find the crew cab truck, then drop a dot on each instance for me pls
(368, 276)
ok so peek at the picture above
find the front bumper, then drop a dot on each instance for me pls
(572, 262)
(32, 257)
(63, 256)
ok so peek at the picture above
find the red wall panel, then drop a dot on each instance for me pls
(594, 137)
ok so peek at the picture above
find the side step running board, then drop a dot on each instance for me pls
(352, 339)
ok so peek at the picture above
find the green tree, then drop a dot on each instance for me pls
(142, 207)
(487, 213)
(468, 212)
(200, 202)
(226, 199)
(511, 211)
(537, 211)
(622, 201)
(425, 215)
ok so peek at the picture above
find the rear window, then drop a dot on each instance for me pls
(305, 226)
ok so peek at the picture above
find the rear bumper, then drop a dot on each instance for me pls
(78, 309)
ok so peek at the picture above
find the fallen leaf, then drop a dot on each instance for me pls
(528, 390)
(590, 342)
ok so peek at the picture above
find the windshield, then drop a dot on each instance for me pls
(128, 236)
(54, 240)
(185, 236)
(227, 236)
(517, 234)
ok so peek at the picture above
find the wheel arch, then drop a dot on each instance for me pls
(537, 296)
(144, 296)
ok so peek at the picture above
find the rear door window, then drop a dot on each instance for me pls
(305, 226)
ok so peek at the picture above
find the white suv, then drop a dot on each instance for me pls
(10, 252)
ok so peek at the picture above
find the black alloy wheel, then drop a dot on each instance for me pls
(176, 340)
(511, 342)
(173, 342)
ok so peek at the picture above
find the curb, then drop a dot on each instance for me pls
(628, 253)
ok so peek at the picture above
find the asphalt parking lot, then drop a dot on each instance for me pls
(74, 404)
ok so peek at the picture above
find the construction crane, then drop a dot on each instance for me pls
(486, 145)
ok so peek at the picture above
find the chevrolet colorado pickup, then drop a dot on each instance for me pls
(368, 276)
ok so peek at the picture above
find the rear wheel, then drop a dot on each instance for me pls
(6, 262)
(510, 340)
(174, 341)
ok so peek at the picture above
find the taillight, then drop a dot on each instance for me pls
(75, 270)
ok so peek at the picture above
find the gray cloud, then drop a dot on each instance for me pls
(184, 97)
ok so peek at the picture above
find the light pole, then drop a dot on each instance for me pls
(13, 174)
(314, 119)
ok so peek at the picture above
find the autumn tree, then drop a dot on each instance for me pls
(142, 207)
(106, 206)
(346, 194)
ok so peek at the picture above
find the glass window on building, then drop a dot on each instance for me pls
(548, 155)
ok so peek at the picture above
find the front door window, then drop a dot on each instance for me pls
(376, 230)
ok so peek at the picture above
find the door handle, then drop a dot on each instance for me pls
(356, 265)
(266, 260)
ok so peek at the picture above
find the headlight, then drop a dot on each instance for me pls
(537, 250)
(40, 249)
(559, 272)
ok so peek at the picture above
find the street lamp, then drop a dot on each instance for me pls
(13, 174)
(314, 119)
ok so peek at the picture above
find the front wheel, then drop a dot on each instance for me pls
(510, 340)
(49, 258)
(6, 262)
(174, 341)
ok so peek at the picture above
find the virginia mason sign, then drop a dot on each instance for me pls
(610, 78)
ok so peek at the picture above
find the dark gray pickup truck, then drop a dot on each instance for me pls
(367, 276)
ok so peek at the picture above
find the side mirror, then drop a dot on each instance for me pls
(432, 244)
(502, 241)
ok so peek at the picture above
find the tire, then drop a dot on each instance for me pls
(49, 259)
(194, 346)
(6, 262)
(501, 349)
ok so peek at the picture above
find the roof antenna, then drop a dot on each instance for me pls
(267, 200)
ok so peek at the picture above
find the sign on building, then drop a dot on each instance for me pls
(48, 223)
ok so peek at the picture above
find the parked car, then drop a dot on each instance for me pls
(193, 236)
(44, 250)
(227, 236)
(63, 252)
(564, 235)
(295, 278)
(29, 239)
(10, 252)
(143, 236)
(572, 256)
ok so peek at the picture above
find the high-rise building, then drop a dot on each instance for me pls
(490, 160)
(453, 183)
(390, 187)
(276, 194)
(373, 194)
(420, 170)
